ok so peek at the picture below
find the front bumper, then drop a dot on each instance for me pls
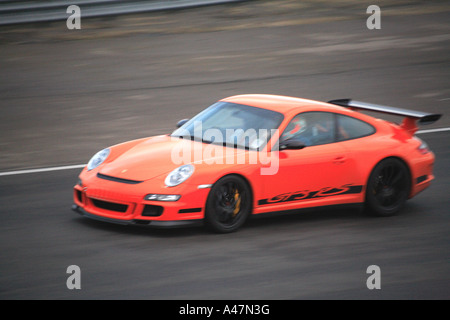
(126, 204)
(138, 222)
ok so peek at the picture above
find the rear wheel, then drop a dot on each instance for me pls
(229, 204)
(388, 187)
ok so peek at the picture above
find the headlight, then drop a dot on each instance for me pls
(98, 159)
(179, 175)
(162, 197)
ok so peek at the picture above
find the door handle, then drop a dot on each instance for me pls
(339, 160)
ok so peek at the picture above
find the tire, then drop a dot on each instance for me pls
(388, 187)
(228, 205)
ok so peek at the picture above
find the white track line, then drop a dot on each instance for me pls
(10, 173)
(79, 166)
(433, 130)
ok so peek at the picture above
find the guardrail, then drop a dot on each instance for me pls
(16, 12)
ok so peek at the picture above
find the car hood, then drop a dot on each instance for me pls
(159, 155)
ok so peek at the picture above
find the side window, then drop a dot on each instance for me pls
(311, 128)
(351, 128)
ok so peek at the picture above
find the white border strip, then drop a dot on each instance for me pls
(79, 166)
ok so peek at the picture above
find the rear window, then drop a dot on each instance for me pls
(351, 128)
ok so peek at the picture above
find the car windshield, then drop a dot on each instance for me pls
(232, 125)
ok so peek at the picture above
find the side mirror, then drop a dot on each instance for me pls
(181, 122)
(291, 145)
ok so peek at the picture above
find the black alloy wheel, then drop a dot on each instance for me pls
(388, 187)
(229, 204)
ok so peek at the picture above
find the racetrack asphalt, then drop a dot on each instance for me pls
(65, 95)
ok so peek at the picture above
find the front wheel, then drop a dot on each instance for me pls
(388, 187)
(229, 204)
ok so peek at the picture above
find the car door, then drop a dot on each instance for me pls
(318, 174)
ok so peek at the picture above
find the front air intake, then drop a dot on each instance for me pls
(152, 211)
(111, 206)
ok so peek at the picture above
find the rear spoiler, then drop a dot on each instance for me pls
(411, 116)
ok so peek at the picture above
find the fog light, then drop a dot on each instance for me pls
(162, 197)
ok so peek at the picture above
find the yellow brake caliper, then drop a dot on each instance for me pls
(237, 205)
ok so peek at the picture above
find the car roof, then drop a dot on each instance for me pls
(283, 104)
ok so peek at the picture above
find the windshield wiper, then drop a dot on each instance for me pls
(220, 143)
(193, 138)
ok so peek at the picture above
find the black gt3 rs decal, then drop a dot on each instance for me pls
(306, 194)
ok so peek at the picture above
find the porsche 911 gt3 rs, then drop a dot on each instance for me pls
(254, 154)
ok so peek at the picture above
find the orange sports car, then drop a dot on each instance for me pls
(254, 154)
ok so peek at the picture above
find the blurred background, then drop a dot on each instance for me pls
(65, 94)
